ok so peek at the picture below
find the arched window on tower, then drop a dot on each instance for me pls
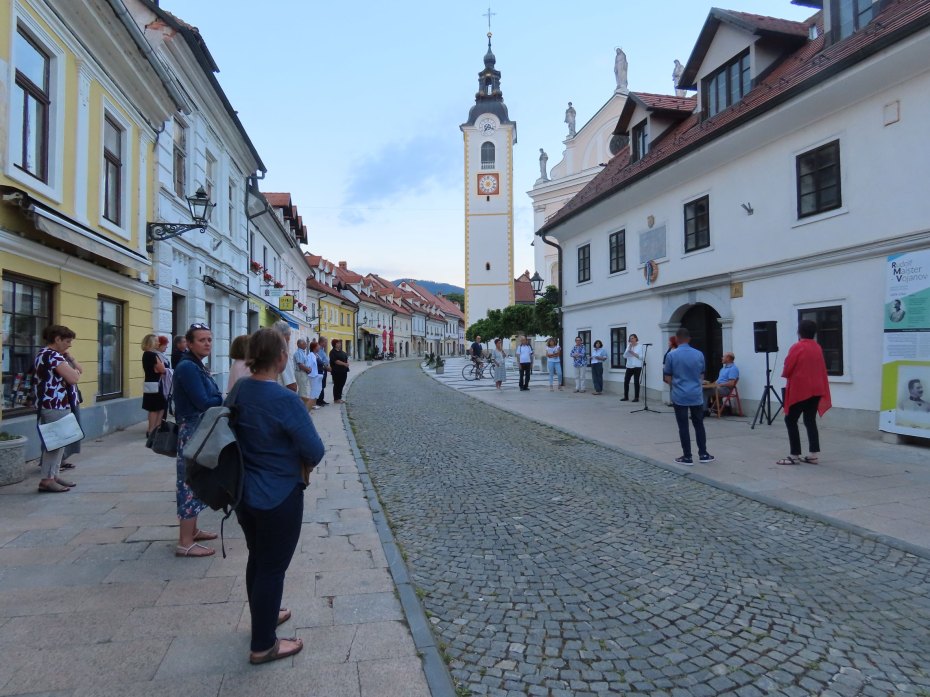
(487, 155)
(488, 89)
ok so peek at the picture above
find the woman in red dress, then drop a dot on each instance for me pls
(807, 393)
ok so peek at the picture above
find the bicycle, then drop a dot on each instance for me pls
(477, 371)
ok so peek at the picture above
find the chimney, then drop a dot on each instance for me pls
(342, 265)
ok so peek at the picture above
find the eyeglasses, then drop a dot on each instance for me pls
(199, 325)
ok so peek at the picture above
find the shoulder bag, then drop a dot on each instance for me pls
(64, 431)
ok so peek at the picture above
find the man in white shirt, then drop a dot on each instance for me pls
(288, 378)
(525, 359)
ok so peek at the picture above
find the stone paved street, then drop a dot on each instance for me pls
(553, 566)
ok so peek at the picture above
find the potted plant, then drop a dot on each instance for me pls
(12, 458)
(268, 277)
(430, 359)
(256, 266)
(278, 284)
(440, 365)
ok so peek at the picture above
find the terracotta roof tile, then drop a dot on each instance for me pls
(666, 102)
(762, 23)
(278, 199)
(798, 72)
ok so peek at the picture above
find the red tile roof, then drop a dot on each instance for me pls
(801, 71)
(278, 199)
(665, 102)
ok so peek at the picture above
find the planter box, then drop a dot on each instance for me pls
(12, 461)
(440, 370)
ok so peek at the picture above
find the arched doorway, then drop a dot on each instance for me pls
(702, 321)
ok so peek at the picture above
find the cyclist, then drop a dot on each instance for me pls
(476, 350)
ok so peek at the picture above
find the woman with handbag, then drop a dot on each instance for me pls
(279, 447)
(153, 401)
(195, 391)
(56, 395)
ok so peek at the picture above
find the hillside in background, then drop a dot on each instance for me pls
(434, 286)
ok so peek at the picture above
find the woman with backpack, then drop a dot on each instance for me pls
(278, 443)
(195, 391)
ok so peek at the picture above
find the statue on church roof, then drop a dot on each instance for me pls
(620, 70)
(676, 76)
(570, 120)
(543, 160)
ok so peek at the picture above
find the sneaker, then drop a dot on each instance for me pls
(706, 457)
(684, 460)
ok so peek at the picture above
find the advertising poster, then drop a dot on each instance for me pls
(905, 401)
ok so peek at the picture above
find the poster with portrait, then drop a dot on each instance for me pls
(905, 400)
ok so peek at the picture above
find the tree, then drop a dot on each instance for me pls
(547, 312)
(457, 298)
(518, 319)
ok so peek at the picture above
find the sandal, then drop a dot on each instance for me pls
(193, 551)
(275, 652)
(67, 466)
(283, 615)
(790, 460)
(64, 482)
(202, 535)
(52, 487)
(810, 459)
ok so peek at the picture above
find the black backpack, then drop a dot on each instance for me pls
(214, 468)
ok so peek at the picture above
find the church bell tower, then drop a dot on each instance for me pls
(489, 139)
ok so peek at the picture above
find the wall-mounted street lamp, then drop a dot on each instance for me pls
(200, 208)
(537, 282)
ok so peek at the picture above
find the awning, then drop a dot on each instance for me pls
(229, 290)
(292, 323)
(369, 330)
(68, 231)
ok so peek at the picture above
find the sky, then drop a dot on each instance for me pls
(355, 106)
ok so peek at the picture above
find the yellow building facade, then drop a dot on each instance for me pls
(83, 108)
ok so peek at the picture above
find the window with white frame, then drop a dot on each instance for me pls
(112, 170)
(29, 117)
(180, 158)
(487, 155)
(231, 211)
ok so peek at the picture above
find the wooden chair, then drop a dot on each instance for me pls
(721, 401)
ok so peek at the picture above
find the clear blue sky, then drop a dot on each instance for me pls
(355, 106)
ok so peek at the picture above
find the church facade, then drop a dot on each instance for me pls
(489, 136)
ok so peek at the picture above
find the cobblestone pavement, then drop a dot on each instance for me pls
(553, 566)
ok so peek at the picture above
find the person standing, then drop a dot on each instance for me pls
(579, 356)
(684, 371)
(807, 393)
(598, 356)
(554, 362)
(288, 376)
(75, 447)
(316, 380)
(672, 345)
(634, 366)
(153, 401)
(476, 350)
(179, 347)
(277, 439)
(238, 354)
(195, 391)
(323, 367)
(499, 359)
(56, 395)
(339, 365)
(302, 361)
(525, 359)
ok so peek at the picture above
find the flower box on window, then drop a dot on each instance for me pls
(256, 266)
(268, 277)
(278, 284)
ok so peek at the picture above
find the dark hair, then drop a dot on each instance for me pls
(673, 341)
(911, 383)
(683, 334)
(177, 340)
(313, 346)
(196, 327)
(265, 348)
(598, 343)
(53, 332)
(633, 336)
(807, 328)
(336, 342)
(239, 348)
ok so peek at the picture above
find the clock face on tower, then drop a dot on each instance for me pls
(487, 126)
(488, 184)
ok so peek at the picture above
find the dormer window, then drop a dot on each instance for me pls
(487, 155)
(640, 140)
(849, 16)
(727, 85)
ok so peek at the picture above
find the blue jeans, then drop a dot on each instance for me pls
(555, 368)
(271, 537)
(697, 418)
(597, 376)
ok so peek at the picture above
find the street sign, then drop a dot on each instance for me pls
(274, 292)
(286, 302)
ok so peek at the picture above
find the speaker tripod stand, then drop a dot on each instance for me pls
(645, 390)
(764, 410)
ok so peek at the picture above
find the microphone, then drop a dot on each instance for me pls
(647, 344)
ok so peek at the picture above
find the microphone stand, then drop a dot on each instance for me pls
(646, 391)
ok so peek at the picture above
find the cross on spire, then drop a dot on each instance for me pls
(489, 14)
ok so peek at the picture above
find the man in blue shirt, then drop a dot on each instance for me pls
(684, 371)
(323, 356)
(726, 379)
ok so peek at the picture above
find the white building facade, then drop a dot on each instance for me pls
(778, 197)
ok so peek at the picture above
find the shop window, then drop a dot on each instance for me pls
(27, 310)
(110, 348)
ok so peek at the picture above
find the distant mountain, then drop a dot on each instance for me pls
(434, 286)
